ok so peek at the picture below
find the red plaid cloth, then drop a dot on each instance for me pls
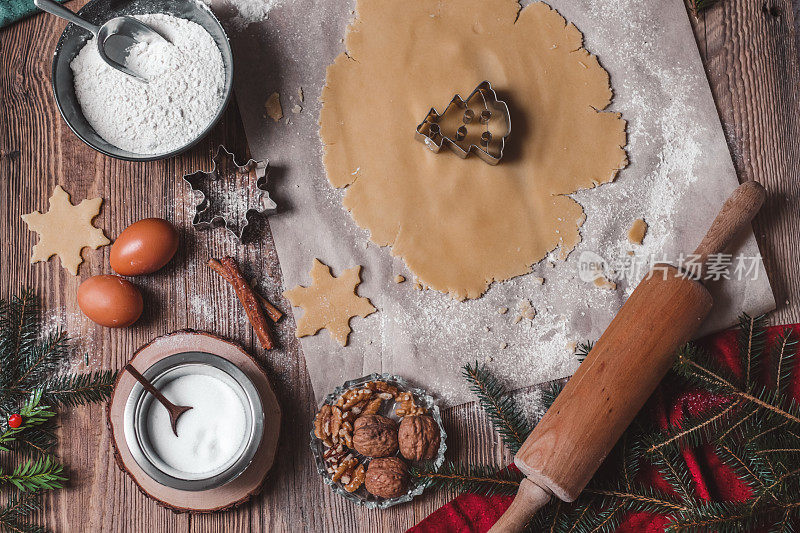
(713, 480)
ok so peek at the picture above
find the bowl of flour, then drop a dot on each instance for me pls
(190, 79)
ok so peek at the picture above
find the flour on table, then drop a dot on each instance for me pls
(247, 11)
(185, 89)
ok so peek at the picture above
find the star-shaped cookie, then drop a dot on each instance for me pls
(65, 230)
(330, 302)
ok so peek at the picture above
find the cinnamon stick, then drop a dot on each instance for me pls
(229, 270)
(273, 312)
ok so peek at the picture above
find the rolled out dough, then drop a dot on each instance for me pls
(461, 224)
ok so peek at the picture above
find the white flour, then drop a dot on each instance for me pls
(246, 11)
(184, 93)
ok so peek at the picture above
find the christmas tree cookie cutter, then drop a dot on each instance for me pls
(479, 124)
(229, 194)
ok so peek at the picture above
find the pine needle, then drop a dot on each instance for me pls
(30, 385)
(44, 473)
(467, 478)
(755, 431)
(500, 407)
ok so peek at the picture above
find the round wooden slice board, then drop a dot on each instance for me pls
(250, 481)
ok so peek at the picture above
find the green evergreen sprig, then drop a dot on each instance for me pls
(499, 405)
(485, 480)
(13, 515)
(33, 415)
(33, 384)
(755, 430)
(44, 473)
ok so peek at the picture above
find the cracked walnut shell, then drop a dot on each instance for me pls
(387, 477)
(418, 438)
(375, 436)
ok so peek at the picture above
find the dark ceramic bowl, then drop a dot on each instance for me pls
(74, 37)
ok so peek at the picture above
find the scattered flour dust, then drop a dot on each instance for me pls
(247, 11)
(183, 95)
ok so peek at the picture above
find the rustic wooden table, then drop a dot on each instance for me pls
(750, 49)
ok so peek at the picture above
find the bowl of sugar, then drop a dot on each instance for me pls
(216, 440)
(190, 80)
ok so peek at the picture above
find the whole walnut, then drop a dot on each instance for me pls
(387, 477)
(419, 438)
(375, 436)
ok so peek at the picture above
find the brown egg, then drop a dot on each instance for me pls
(110, 301)
(144, 247)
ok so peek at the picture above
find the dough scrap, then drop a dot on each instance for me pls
(273, 107)
(65, 230)
(460, 225)
(604, 283)
(637, 231)
(329, 302)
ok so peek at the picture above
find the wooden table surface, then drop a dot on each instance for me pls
(750, 50)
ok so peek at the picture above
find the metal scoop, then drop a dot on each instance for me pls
(114, 39)
(174, 410)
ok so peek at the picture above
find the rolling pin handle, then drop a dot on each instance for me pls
(737, 212)
(529, 499)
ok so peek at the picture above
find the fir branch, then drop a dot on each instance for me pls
(605, 521)
(752, 470)
(576, 516)
(583, 349)
(44, 473)
(785, 523)
(550, 393)
(20, 505)
(727, 517)
(467, 478)
(18, 331)
(503, 411)
(673, 469)
(693, 431)
(693, 365)
(33, 415)
(755, 430)
(549, 518)
(41, 359)
(35, 441)
(784, 357)
(639, 498)
(752, 338)
(79, 389)
(28, 387)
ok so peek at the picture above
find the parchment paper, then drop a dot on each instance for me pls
(679, 175)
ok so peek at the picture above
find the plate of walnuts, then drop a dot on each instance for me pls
(370, 432)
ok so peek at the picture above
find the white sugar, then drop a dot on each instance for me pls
(209, 435)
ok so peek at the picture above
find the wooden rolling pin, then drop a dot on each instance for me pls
(598, 403)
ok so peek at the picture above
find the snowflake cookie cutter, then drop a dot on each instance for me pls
(229, 194)
(479, 124)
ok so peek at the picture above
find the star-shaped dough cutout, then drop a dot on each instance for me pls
(65, 230)
(330, 302)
